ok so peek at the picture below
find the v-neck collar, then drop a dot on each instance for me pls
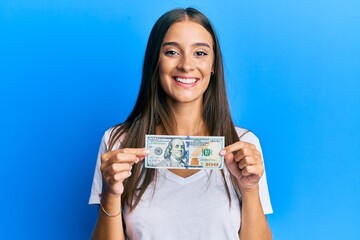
(180, 180)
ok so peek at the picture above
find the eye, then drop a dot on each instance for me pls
(171, 53)
(201, 53)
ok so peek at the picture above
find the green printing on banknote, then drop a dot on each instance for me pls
(184, 152)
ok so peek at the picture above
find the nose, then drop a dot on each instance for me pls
(186, 63)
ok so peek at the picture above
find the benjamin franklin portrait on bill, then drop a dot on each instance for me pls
(174, 154)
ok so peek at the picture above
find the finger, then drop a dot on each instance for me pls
(119, 158)
(116, 168)
(121, 176)
(118, 188)
(231, 164)
(248, 161)
(122, 158)
(113, 187)
(136, 151)
(256, 170)
(229, 158)
(236, 147)
(140, 152)
(247, 152)
(118, 177)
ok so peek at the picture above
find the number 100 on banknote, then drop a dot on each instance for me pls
(184, 152)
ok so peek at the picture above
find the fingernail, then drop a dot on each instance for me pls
(129, 173)
(146, 151)
(137, 160)
(222, 152)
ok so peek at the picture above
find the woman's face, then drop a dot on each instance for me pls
(186, 61)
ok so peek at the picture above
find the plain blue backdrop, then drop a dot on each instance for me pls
(71, 69)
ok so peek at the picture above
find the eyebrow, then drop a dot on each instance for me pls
(178, 45)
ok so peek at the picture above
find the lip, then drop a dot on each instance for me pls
(186, 81)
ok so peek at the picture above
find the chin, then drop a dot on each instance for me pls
(187, 99)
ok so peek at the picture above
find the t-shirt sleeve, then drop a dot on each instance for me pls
(97, 180)
(250, 137)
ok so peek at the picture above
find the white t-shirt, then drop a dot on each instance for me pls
(196, 207)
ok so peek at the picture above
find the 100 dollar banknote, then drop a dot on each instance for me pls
(186, 152)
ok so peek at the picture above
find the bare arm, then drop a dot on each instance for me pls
(115, 167)
(253, 221)
(244, 162)
(109, 227)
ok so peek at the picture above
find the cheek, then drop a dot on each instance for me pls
(206, 68)
(161, 69)
(206, 71)
(164, 70)
(161, 75)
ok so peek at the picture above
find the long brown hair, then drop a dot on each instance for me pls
(151, 109)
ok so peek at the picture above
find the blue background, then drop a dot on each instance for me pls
(71, 69)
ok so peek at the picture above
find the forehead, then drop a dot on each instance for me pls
(188, 32)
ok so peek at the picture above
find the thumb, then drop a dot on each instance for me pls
(229, 158)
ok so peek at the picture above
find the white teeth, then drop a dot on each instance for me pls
(186, 80)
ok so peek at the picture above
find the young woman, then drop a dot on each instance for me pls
(182, 93)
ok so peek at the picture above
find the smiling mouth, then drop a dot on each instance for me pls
(186, 80)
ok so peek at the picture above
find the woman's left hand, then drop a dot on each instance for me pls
(245, 163)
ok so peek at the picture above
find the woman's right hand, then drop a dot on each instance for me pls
(116, 166)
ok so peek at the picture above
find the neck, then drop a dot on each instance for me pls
(189, 118)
